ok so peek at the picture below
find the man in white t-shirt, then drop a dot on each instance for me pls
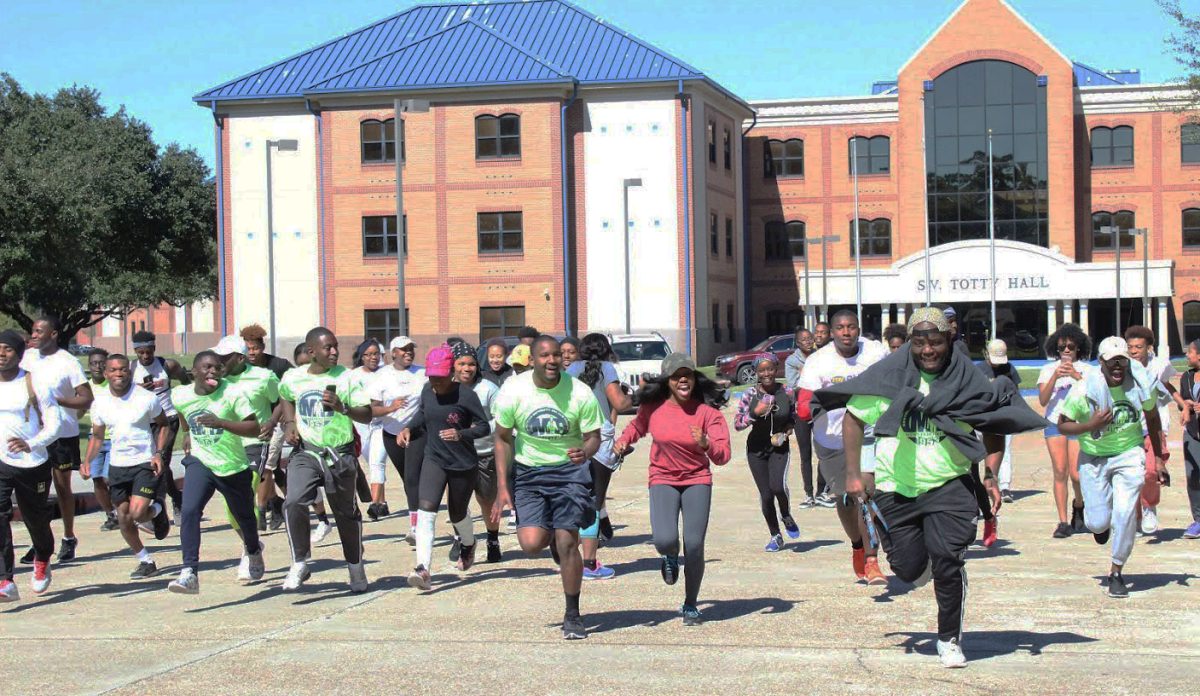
(69, 388)
(154, 374)
(135, 458)
(1140, 340)
(395, 397)
(846, 356)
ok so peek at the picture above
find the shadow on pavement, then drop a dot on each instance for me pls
(806, 546)
(653, 563)
(1021, 495)
(621, 541)
(444, 581)
(895, 588)
(1164, 535)
(993, 643)
(1002, 547)
(1144, 582)
(713, 611)
(112, 589)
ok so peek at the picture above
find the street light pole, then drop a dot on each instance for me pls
(992, 231)
(1144, 233)
(400, 106)
(625, 185)
(824, 241)
(1115, 233)
(857, 249)
(282, 146)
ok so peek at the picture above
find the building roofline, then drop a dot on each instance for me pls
(866, 98)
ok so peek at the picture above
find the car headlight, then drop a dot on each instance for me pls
(724, 359)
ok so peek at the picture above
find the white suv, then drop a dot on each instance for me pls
(638, 354)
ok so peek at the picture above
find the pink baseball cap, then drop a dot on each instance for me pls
(439, 362)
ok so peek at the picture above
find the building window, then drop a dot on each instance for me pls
(874, 154)
(716, 322)
(729, 238)
(379, 141)
(1123, 219)
(968, 102)
(781, 321)
(497, 136)
(713, 243)
(775, 241)
(784, 158)
(874, 237)
(1112, 147)
(712, 142)
(495, 322)
(796, 239)
(1189, 143)
(1191, 321)
(1191, 227)
(500, 233)
(728, 148)
(379, 235)
(729, 322)
(383, 324)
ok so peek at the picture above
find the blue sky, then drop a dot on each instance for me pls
(153, 56)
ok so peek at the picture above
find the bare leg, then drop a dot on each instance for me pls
(1057, 447)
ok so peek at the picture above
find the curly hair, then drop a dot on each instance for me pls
(1142, 332)
(254, 332)
(899, 331)
(594, 349)
(655, 390)
(1071, 332)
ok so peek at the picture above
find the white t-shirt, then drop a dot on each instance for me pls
(1061, 388)
(18, 419)
(1161, 370)
(126, 420)
(826, 367)
(390, 384)
(160, 382)
(486, 391)
(61, 372)
(365, 381)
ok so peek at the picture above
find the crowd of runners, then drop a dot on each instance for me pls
(912, 442)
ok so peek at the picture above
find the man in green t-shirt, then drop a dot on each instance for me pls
(548, 428)
(319, 402)
(1105, 410)
(214, 419)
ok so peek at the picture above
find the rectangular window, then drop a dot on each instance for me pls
(1124, 220)
(729, 237)
(378, 141)
(500, 233)
(712, 142)
(712, 234)
(379, 235)
(716, 322)
(384, 324)
(495, 322)
(728, 149)
(1112, 147)
(1191, 227)
(729, 322)
(873, 155)
(1189, 136)
(497, 137)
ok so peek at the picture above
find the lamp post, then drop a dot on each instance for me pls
(401, 106)
(857, 249)
(286, 145)
(991, 232)
(823, 241)
(1144, 233)
(1115, 233)
(625, 186)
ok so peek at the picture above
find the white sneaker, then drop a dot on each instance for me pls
(1150, 520)
(358, 577)
(251, 568)
(187, 582)
(951, 654)
(322, 530)
(296, 576)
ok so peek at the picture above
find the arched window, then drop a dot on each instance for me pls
(784, 240)
(1191, 227)
(784, 158)
(795, 237)
(1123, 219)
(874, 237)
(1112, 147)
(874, 155)
(379, 140)
(1191, 321)
(497, 136)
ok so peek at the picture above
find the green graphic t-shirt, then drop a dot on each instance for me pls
(219, 450)
(920, 457)
(318, 427)
(546, 422)
(260, 386)
(1124, 432)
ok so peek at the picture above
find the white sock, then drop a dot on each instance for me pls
(425, 521)
(155, 508)
(143, 556)
(603, 513)
(466, 531)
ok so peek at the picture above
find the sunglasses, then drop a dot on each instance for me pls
(1069, 348)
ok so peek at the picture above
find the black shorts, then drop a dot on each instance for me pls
(124, 482)
(485, 479)
(257, 456)
(63, 454)
(554, 497)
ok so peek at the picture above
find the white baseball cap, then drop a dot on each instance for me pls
(229, 345)
(401, 342)
(1114, 347)
(997, 352)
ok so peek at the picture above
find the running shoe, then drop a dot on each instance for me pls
(691, 615)
(420, 579)
(1149, 519)
(774, 545)
(373, 512)
(512, 520)
(1077, 523)
(572, 628)
(411, 538)
(252, 568)
(1193, 531)
(1102, 537)
(144, 569)
(296, 576)
(320, 532)
(162, 524)
(383, 510)
(8, 591)
(858, 561)
(825, 500)
(1116, 586)
(41, 577)
(1063, 530)
(466, 558)
(455, 549)
(793, 529)
(670, 569)
(110, 523)
(951, 654)
(602, 572)
(358, 577)
(808, 503)
(28, 557)
(606, 529)
(187, 583)
(66, 552)
(260, 517)
(493, 551)
(1006, 496)
(989, 533)
(872, 573)
(276, 521)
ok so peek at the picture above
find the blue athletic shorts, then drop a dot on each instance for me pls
(99, 463)
(1053, 431)
(554, 497)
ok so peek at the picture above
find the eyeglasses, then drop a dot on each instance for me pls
(1068, 348)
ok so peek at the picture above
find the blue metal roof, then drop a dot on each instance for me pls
(508, 42)
(1086, 75)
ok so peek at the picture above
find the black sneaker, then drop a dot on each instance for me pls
(110, 523)
(144, 569)
(383, 510)
(670, 569)
(162, 523)
(1102, 537)
(826, 501)
(66, 552)
(572, 628)
(276, 520)
(1006, 496)
(1077, 523)
(373, 512)
(1116, 586)
(1062, 531)
(493, 552)
(456, 550)
(606, 529)
(261, 519)
(28, 557)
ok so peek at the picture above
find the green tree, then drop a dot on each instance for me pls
(1184, 43)
(94, 217)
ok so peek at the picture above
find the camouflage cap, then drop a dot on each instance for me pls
(931, 315)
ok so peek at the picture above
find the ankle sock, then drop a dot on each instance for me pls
(590, 564)
(143, 556)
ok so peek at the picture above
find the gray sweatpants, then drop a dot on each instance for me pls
(666, 504)
(1111, 486)
(306, 473)
(1191, 470)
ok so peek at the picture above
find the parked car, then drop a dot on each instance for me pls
(638, 354)
(739, 367)
(79, 349)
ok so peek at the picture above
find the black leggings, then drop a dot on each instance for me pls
(804, 440)
(770, 476)
(601, 477)
(434, 482)
(407, 461)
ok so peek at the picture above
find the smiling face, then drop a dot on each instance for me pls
(765, 370)
(118, 374)
(42, 336)
(930, 348)
(1139, 349)
(465, 369)
(547, 361)
(682, 384)
(323, 350)
(570, 353)
(371, 357)
(495, 357)
(805, 341)
(821, 334)
(402, 358)
(96, 367)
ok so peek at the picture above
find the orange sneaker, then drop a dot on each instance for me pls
(872, 573)
(858, 560)
(989, 533)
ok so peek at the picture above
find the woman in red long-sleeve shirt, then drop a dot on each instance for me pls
(689, 434)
